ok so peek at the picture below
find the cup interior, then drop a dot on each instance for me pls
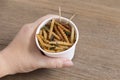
(63, 19)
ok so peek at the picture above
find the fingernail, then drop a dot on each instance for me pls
(68, 63)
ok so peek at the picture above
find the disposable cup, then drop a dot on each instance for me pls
(69, 53)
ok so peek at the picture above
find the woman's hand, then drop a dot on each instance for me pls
(22, 55)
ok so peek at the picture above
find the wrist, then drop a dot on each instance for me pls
(3, 66)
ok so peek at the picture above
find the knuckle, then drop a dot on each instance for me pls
(58, 64)
(27, 26)
(51, 64)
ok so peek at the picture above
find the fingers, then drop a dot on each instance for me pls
(56, 63)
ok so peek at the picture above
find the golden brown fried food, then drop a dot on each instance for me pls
(55, 37)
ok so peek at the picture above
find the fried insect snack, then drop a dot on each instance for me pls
(56, 36)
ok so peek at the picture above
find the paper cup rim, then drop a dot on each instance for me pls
(45, 22)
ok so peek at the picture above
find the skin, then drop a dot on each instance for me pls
(22, 55)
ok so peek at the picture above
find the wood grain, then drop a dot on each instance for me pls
(97, 54)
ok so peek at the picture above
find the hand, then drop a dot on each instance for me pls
(22, 55)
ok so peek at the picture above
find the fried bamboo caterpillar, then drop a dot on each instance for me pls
(60, 43)
(54, 34)
(45, 40)
(58, 33)
(62, 26)
(64, 35)
(42, 43)
(65, 47)
(56, 39)
(72, 35)
(40, 40)
(66, 26)
(44, 34)
(51, 28)
(59, 48)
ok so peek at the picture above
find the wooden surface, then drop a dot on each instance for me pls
(97, 54)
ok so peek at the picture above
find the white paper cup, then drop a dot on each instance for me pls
(69, 53)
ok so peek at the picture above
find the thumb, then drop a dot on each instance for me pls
(57, 62)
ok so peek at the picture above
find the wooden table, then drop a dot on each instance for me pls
(97, 54)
